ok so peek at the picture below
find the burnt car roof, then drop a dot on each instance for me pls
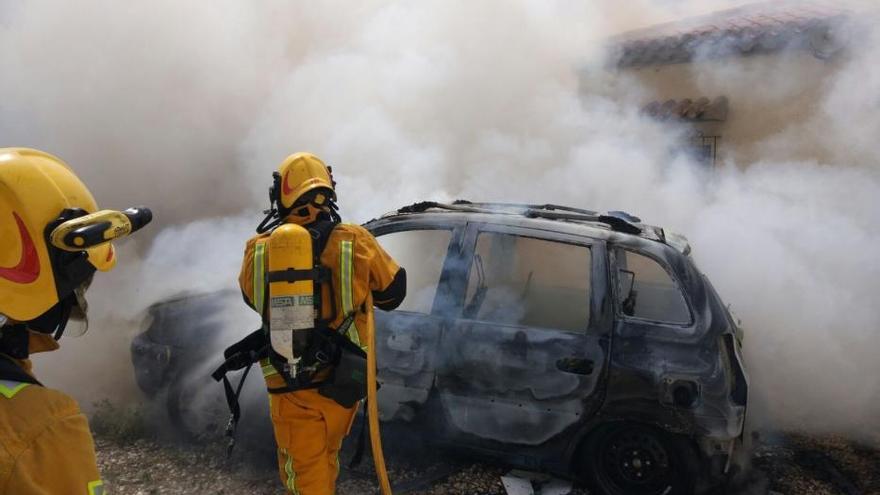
(609, 225)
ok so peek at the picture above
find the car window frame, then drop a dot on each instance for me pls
(615, 288)
(597, 264)
(453, 250)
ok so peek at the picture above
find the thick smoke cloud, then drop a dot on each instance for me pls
(187, 108)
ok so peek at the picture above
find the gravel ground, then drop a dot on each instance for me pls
(784, 464)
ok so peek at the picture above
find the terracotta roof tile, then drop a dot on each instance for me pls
(700, 110)
(754, 28)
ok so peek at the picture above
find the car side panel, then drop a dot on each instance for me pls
(503, 383)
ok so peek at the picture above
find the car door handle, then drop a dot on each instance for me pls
(578, 366)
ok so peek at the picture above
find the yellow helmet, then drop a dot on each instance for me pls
(38, 192)
(303, 188)
(301, 173)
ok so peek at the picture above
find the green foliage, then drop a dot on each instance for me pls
(119, 423)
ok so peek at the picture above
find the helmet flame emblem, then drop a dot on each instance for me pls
(28, 268)
(285, 186)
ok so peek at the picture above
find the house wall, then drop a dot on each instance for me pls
(774, 101)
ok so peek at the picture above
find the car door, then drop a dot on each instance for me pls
(407, 338)
(523, 361)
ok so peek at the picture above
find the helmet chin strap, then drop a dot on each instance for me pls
(62, 323)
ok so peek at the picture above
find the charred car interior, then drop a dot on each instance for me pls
(583, 344)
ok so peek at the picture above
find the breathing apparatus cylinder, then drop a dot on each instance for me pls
(291, 304)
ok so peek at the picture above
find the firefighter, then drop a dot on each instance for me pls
(45, 443)
(310, 412)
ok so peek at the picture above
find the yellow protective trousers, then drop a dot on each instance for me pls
(309, 429)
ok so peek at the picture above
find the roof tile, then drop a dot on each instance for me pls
(765, 26)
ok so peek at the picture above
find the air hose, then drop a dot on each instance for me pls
(373, 410)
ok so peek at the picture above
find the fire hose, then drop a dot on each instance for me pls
(373, 414)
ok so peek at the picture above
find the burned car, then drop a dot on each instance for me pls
(560, 339)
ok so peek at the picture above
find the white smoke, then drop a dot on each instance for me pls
(188, 107)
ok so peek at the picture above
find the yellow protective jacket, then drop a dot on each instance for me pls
(46, 447)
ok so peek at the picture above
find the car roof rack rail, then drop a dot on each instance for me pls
(525, 206)
(424, 206)
(617, 221)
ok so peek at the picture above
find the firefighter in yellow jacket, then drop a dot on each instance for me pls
(52, 240)
(310, 418)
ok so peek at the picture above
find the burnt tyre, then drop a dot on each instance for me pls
(633, 459)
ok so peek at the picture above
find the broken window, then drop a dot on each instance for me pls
(421, 253)
(646, 290)
(531, 282)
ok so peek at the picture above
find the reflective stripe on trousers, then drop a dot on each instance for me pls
(96, 487)
(290, 484)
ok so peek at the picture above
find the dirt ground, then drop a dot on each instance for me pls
(783, 464)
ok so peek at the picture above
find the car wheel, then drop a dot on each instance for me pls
(633, 459)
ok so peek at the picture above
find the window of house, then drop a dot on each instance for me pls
(421, 253)
(530, 282)
(704, 149)
(646, 290)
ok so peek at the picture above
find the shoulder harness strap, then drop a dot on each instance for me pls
(260, 276)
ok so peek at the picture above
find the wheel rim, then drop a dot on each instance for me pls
(635, 460)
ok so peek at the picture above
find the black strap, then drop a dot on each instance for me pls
(318, 274)
(240, 355)
(288, 388)
(234, 407)
(11, 371)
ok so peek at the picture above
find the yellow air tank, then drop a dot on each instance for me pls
(291, 303)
